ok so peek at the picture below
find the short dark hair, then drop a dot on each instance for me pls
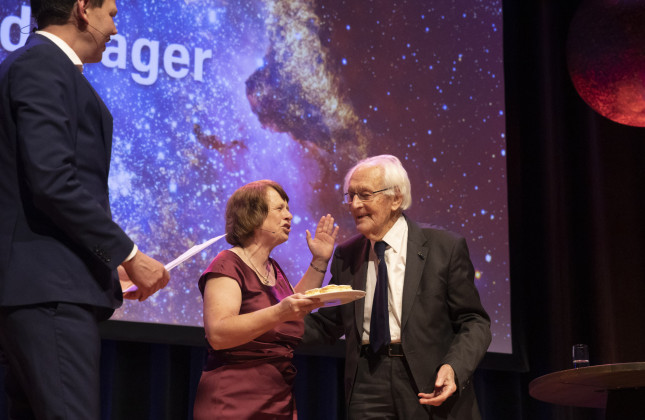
(247, 208)
(55, 12)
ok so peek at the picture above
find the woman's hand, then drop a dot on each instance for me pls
(296, 307)
(322, 245)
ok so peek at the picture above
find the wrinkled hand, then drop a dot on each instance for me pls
(322, 245)
(148, 274)
(444, 387)
(296, 307)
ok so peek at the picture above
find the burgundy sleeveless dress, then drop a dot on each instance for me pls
(254, 380)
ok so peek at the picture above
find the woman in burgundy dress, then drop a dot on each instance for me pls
(252, 318)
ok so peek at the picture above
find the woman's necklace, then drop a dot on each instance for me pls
(263, 278)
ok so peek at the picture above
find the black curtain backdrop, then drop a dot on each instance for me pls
(577, 217)
(147, 381)
(577, 228)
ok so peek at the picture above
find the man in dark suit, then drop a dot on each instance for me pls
(59, 248)
(416, 338)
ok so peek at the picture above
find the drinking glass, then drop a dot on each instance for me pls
(580, 354)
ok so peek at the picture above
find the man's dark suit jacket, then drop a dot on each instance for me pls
(442, 322)
(58, 242)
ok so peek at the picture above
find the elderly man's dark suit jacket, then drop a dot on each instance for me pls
(57, 240)
(443, 320)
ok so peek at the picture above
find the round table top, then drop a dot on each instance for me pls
(587, 386)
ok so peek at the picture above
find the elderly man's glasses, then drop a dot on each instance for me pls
(362, 196)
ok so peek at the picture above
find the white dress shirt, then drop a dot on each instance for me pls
(395, 253)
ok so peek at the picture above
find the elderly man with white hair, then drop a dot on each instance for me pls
(415, 340)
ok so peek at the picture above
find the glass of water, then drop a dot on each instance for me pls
(580, 353)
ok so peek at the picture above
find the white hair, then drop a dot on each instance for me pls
(394, 176)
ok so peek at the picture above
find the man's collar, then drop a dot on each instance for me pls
(69, 52)
(394, 235)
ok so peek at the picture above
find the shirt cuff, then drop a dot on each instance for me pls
(135, 248)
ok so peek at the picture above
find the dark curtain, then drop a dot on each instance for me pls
(148, 381)
(577, 225)
(577, 218)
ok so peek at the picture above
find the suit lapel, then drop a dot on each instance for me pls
(362, 260)
(415, 261)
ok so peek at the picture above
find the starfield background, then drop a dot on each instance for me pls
(209, 95)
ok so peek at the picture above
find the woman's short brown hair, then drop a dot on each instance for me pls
(247, 208)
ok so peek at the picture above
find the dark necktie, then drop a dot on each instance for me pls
(380, 322)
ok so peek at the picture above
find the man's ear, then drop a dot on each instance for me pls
(81, 10)
(397, 201)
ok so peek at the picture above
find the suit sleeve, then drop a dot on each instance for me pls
(45, 102)
(473, 334)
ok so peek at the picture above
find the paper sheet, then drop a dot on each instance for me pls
(183, 257)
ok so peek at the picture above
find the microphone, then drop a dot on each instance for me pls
(108, 37)
(270, 231)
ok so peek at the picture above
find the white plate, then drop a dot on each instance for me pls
(339, 298)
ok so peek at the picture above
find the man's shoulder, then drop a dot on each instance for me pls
(37, 48)
(432, 232)
(357, 239)
(38, 60)
(35, 41)
(352, 244)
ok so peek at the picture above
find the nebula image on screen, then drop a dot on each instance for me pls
(210, 95)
